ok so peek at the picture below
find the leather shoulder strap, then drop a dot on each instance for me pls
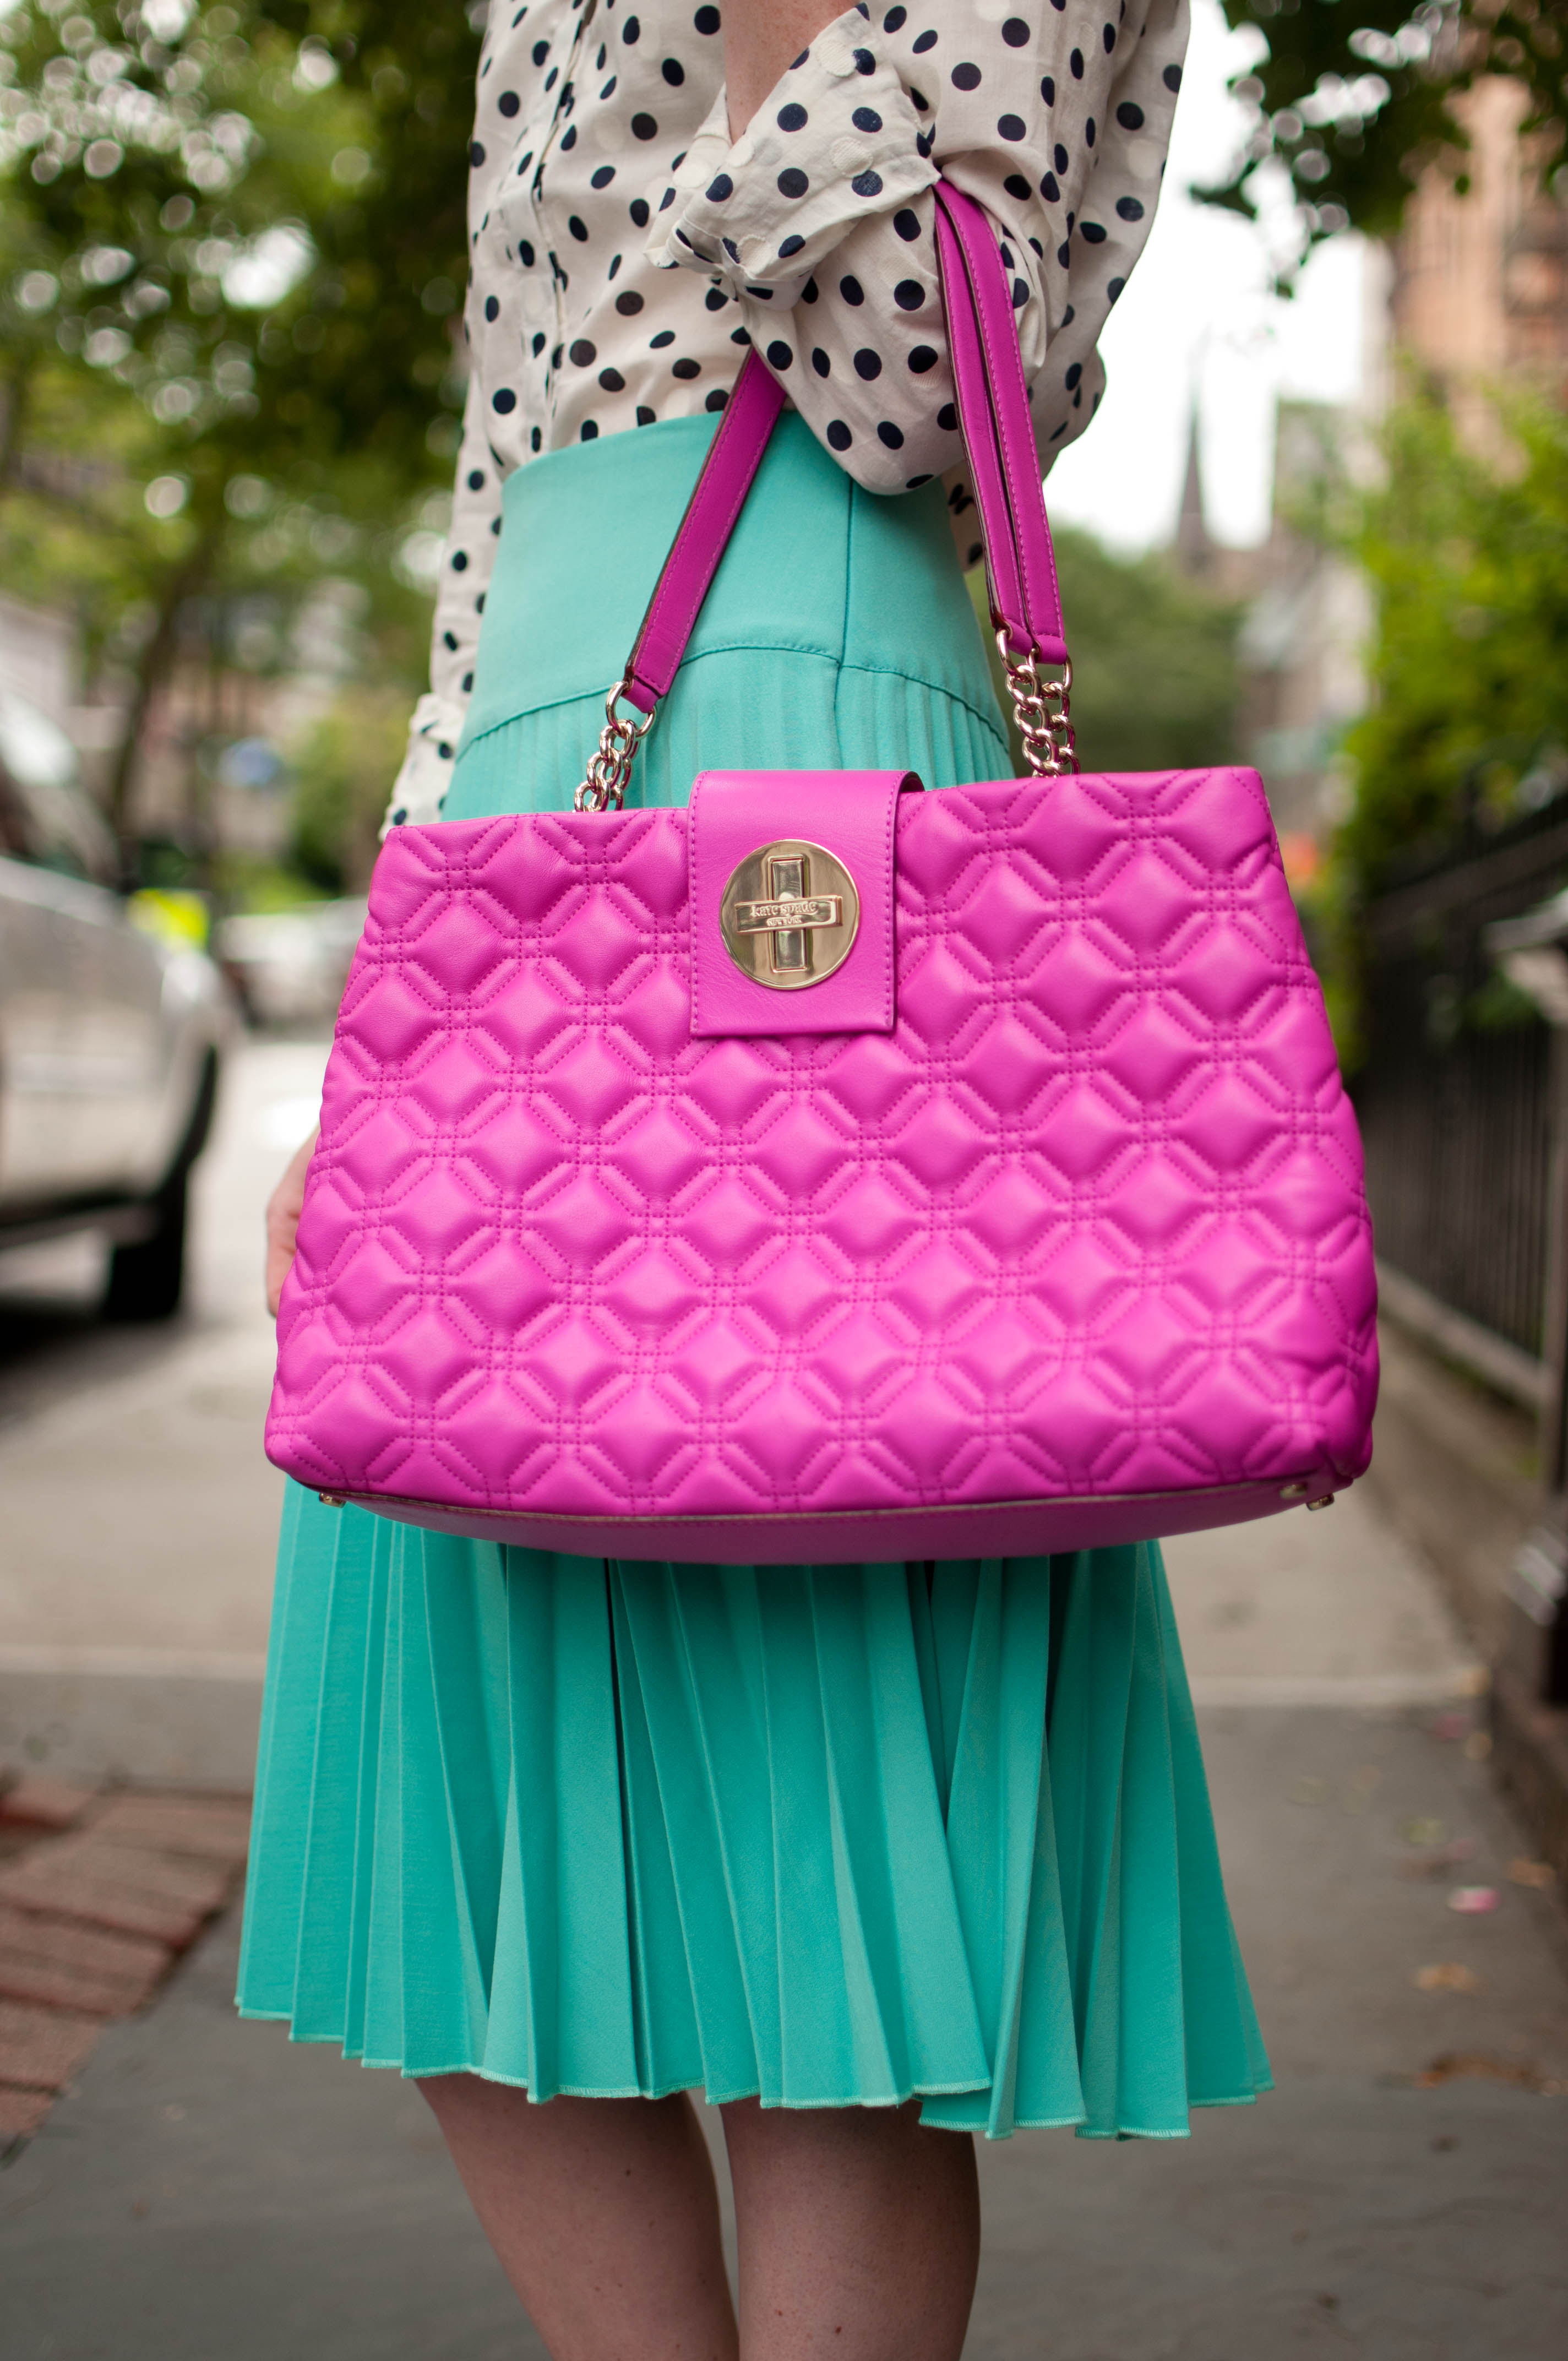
(993, 417)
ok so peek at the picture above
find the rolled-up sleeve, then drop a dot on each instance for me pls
(819, 219)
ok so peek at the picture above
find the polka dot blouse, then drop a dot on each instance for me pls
(625, 251)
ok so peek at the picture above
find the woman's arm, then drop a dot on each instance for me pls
(818, 220)
(760, 37)
(283, 1209)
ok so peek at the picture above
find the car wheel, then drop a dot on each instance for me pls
(145, 1281)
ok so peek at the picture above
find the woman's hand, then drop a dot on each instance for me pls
(760, 38)
(283, 1219)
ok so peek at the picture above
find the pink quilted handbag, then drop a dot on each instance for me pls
(834, 1171)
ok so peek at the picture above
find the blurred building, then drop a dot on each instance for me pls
(1480, 290)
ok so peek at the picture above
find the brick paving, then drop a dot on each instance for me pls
(99, 1895)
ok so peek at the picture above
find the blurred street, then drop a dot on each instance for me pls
(204, 2187)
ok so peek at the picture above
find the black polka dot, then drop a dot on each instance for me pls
(792, 183)
(891, 435)
(1064, 254)
(541, 51)
(948, 419)
(1129, 116)
(525, 254)
(866, 118)
(588, 431)
(459, 561)
(716, 399)
(1075, 65)
(578, 228)
(1108, 35)
(810, 291)
(631, 30)
(492, 309)
(1114, 288)
(738, 336)
(665, 336)
(1173, 77)
(475, 479)
(644, 127)
(504, 401)
(868, 364)
(612, 380)
(909, 294)
(893, 19)
(1073, 375)
(1089, 132)
(715, 300)
(780, 355)
(788, 245)
(1014, 32)
(675, 73)
(449, 638)
(1017, 186)
(1060, 158)
(1020, 293)
(536, 440)
(645, 416)
(976, 552)
(707, 20)
(838, 436)
(1092, 232)
(476, 153)
(569, 137)
(924, 41)
(966, 76)
(719, 188)
(1129, 209)
(912, 483)
(1010, 126)
(820, 362)
(864, 61)
(1048, 90)
(866, 184)
(851, 291)
(603, 177)
(792, 117)
(537, 346)
(401, 813)
(922, 358)
(686, 369)
(509, 103)
(638, 209)
(583, 354)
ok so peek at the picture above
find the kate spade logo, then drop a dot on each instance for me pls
(789, 915)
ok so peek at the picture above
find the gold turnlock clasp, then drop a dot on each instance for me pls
(789, 915)
(604, 787)
(1045, 719)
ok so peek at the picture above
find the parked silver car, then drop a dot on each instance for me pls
(110, 1040)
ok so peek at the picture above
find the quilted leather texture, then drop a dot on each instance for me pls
(1089, 1222)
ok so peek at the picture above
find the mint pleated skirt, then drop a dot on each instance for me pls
(831, 1836)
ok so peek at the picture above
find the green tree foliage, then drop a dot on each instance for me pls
(232, 246)
(1468, 721)
(341, 776)
(1351, 100)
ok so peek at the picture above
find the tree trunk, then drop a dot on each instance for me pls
(153, 669)
(18, 386)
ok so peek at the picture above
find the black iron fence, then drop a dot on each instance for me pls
(1456, 1095)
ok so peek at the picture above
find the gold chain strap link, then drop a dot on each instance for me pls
(604, 788)
(1044, 718)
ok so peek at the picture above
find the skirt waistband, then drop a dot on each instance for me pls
(816, 565)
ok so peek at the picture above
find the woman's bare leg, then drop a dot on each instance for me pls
(858, 2231)
(604, 2214)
